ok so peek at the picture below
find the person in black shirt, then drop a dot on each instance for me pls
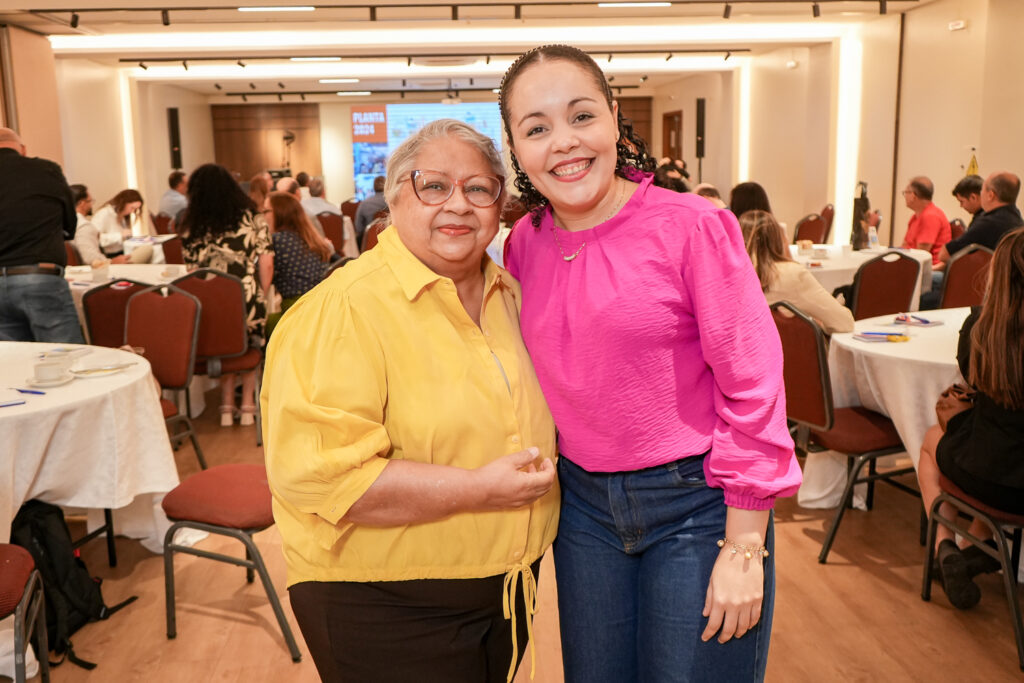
(968, 194)
(36, 216)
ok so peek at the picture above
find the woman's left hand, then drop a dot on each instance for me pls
(735, 592)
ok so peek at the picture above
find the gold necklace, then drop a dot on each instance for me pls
(615, 209)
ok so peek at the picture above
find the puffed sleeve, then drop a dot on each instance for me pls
(751, 454)
(323, 402)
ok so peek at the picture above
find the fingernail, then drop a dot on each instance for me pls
(534, 450)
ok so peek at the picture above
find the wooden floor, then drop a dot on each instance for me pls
(858, 618)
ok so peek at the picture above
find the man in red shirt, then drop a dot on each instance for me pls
(928, 229)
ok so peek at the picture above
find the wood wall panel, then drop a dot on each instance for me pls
(248, 138)
(639, 110)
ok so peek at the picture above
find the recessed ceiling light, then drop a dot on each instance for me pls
(301, 8)
(339, 80)
(316, 59)
(634, 4)
(345, 93)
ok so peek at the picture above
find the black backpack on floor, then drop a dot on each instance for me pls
(73, 597)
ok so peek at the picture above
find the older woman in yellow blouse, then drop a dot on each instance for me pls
(409, 447)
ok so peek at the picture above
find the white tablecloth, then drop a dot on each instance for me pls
(838, 268)
(901, 380)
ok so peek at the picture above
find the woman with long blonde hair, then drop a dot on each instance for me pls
(783, 279)
(981, 449)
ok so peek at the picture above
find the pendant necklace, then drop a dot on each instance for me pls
(615, 209)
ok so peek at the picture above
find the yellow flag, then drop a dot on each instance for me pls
(972, 165)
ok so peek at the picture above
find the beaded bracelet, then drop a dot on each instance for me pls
(748, 550)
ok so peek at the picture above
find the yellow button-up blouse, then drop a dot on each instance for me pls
(380, 362)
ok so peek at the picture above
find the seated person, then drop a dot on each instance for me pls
(783, 279)
(748, 196)
(300, 254)
(669, 174)
(980, 450)
(87, 235)
(114, 219)
(999, 215)
(710, 193)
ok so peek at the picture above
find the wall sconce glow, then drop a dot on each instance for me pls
(353, 93)
(743, 136)
(300, 8)
(315, 59)
(339, 80)
(127, 128)
(634, 4)
(851, 57)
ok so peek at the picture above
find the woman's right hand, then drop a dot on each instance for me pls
(514, 480)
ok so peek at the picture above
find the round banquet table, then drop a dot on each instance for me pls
(837, 268)
(901, 380)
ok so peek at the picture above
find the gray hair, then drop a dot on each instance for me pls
(316, 187)
(403, 159)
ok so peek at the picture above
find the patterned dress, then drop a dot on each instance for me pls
(237, 253)
(297, 268)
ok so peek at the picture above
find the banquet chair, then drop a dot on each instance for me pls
(228, 500)
(173, 252)
(71, 253)
(161, 223)
(956, 228)
(884, 285)
(334, 229)
(349, 208)
(21, 595)
(104, 308)
(164, 320)
(373, 230)
(827, 215)
(998, 522)
(810, 227)
(223, 346)
(860, 434)
(966, 277)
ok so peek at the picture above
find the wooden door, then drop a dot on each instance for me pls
(672, 134)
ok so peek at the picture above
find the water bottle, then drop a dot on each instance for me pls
(872, 238)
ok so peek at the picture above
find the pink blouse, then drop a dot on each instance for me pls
(655, 343)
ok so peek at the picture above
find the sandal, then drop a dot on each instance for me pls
(227, 416)
(248, 416)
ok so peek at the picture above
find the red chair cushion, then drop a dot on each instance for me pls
(858, 430)
(16, 566)
(247, 361)
(996, 514)
(235, 496)
(169, 407)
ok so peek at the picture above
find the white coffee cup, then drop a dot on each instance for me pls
(847, 249)
(50, 371)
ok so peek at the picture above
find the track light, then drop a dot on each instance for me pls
(728, 53)
(302, 96)
(280, 98)
(518, 11)
(244, 98)
(184, 63)
(252, 85)
(241, 63)
(611, 78)
(74, 20)
(165, 17)
(217, 86)
(487, 59)
(816, 10)
(609, 56)
(883, 7)
(643, 79)
(727, 12)
(142, 65)
(280, 85)
(373, 13)
(669, 57)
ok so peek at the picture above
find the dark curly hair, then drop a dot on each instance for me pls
(632, 157)
(216, 203)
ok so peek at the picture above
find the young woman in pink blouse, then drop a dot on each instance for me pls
(663, 369)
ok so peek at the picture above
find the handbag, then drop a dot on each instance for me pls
(954, 400)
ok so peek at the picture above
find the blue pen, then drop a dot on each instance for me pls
(8, 404)
(879, 334)
(920, 319)
(29, 391)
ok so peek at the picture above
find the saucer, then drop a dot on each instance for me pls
(43, 384)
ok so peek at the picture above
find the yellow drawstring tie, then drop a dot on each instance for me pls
(509, 607)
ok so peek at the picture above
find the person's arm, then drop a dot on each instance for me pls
(87, 241)
(109, 227)
(266, 268)
(812, 299)
(751, 454)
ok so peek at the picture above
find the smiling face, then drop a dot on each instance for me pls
(565, 139)
(449, 238)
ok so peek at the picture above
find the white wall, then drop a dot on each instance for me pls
(1002, 145)
(681, 95)
(90, 122)
(152, 139)
(336, 151)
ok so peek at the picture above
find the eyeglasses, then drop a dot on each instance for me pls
(434, 187)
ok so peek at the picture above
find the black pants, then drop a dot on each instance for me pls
(428, 630)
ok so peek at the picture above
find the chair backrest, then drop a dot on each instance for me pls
(811, 227)
(884, 285)
(71, 253)
(373, 230)
(956, 228)
(104, 308)
(966, 277)
(340, 263)
(173, 252)
(334, 229)
(162, 223)
(827, 214)
(164, 320)
(349, 208)
(222, 325)
(805, 367)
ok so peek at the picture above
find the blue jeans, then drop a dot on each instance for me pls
(38, 308)
(633, 558)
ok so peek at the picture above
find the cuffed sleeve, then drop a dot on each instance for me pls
(751, 455)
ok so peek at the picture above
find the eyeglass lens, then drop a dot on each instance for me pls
(434, 187)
